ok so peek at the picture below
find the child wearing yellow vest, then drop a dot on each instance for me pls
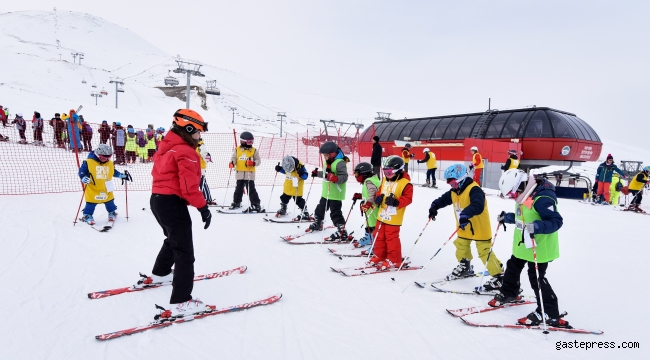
(204, 157)
(430, 160)
(636, 188)
(96, 172)
(293, 186)
(244, 160)
(473, 220)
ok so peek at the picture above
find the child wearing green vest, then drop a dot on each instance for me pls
(364, 174)
(333, 193)
(535, 244)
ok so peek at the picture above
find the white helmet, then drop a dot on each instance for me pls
(474, 148)
(17, 114)
(510, 181)
(426, 150)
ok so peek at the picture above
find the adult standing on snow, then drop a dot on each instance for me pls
(476, 165)
(375, 159)
(604, 177)
(176, 177)
(473, 220)
(537, 219)
(245, 159)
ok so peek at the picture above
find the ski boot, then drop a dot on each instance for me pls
(112, 215)
(234, 206)
(364, 241)
(283, 210)
(559, 322)
(341, 235)
(494, 284)
(375, 261)
(88, 219)
(463, 270)
(500, 299)
(254, 208)
(533, 319)
(387, 264)
(147, 281)
(317, 225)
(304, 216)
(180, 310)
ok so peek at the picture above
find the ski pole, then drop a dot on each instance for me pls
(83, 194)
(434, 255)
(479, 288)
(362, 225)
(325, 209)
(413, 247)
(273, 187)
(539, 287)
(126, 192)
(227, 186)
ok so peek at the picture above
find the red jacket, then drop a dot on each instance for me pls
(177, 171)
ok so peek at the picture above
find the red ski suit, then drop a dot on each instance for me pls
(177, 171)
(387, 242)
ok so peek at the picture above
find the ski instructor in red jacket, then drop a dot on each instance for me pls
(176, 177)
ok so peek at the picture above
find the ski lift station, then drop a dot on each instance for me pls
(542, 136)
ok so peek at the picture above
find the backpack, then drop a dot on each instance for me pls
(89, 129)
(619, 186)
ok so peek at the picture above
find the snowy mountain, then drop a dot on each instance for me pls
(32, 78)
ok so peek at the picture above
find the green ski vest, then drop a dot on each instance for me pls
(372, 214)
(548, 248)
(333, 191)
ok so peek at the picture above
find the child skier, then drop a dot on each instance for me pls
(394, 194)
(636, 188)
(370, 183)
(130, 145)
(476, 165)
(334, 178)
(293, 186)
(430, 161)
(245, 159)
(615, 189)
(141, 141)
(406, 156)
(96, 172)
(512, 162)
(21, 126)
(473, 219)
(538, 222)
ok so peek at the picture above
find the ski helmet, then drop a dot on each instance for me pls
(104, 150)
(474, 148)
(118, 124)
(646, 169)
(426, 150)
(407, 145)
(512, 152)
(288, 164)
(329, 147)
(363, 171)
(190, 120)
(455, 175)
(392, 165)
(510, 181)
(246, 138)
(19, 114)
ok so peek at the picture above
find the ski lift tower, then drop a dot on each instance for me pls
(118, 88)
(281, 115)
(233, 109)
(189, 68)
(96, 95)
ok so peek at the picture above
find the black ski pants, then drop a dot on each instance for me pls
(299, 200)
(431, 173)
(334, 206)
(249, 185)
(511, 284)
(178, 249)
(638, 196)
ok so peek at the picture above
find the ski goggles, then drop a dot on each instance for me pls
(247, 142)
(103, 158)
(389, 172)
(453, 183)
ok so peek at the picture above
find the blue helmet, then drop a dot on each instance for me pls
(130, 130)
(118, 123)
(647, 168)
(456, 172)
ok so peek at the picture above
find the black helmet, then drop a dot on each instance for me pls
(329, 147)
(364, 169)
(407, 145)
(246, 136)
(393, 162)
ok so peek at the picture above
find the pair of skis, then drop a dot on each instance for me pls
(100, 228)
(164, 322)
(371, 269)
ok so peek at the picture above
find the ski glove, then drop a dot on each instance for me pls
(379, 199)
(206, 216)
(501, 217)
(278, 167)
(463, 220)
(365, 206)
(356, 196)
(126, 176)
(412, 156)
(530, 228)
(85, 180)
(332, 178)
(250, 163)
(231, 165)
(433, 211)
(391, 201)
(471, 167)
(314, 173)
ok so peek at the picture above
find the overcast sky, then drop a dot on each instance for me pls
(428, 57)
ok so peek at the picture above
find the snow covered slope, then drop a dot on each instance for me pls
(49, 266)
(32, 78)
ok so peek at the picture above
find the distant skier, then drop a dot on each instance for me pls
(537, 218)
(58, 125)
(119, 136)
(393, 196)
(365, 175)
(294, 184)
(86, 134)
(473, 220)
(512, 162)
(245, 158)
(3, 118)
(151, 145)
(104, 132)
(430, 161)
(96, 172)
(604, 177)
(37, 125)
(636, 188)
(406, 156)
(204, 158)
(476, 165)
(21, 126)
(176, 177)
(334, 178)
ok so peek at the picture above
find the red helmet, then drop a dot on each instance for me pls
(190, 120)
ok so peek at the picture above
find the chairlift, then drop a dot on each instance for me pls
(83, 81)
(119, 88)
(94, 85)
(103, 92)
(211, 88)
(170, 80)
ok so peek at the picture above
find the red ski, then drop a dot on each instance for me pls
(167, 322)
(290, 238)
(134, 288)
(482, 309)
(537, 327)
(374, 270)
